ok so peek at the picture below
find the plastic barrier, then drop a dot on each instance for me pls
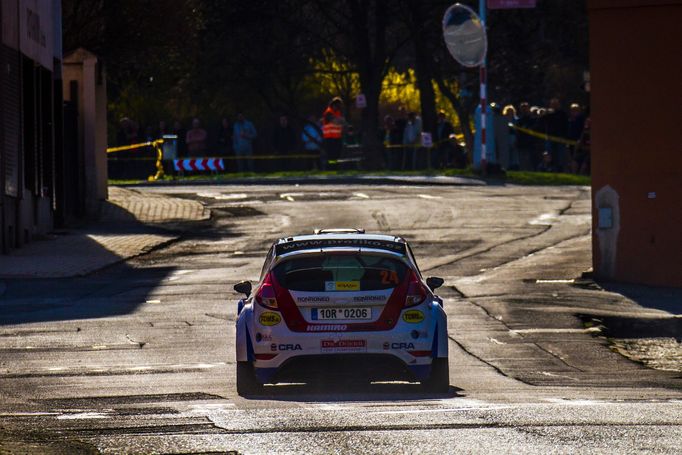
(199, 164)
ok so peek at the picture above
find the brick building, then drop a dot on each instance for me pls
(636, 100)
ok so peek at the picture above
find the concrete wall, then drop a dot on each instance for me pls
(636, 91)
(84, 68)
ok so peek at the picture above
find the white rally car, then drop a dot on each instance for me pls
(341, 302)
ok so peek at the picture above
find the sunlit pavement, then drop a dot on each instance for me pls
(140, 357)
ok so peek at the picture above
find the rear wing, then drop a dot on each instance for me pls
(315, 244)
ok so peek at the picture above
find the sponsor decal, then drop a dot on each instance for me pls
(269, 318)
(312, 299)
(369, 298)
(413, 316)
(399, 345)
(341, 285)
(387, 345)
(327, 328)
(263, 337)
(285, 347)
(343, 345)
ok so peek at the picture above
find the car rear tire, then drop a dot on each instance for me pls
(247, 383)
(439, 381)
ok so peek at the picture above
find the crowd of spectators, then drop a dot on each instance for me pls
(547, 139)
(529, 138)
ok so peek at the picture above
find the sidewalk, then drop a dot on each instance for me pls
(129, 224)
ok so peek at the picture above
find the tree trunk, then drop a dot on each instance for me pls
(462, 113)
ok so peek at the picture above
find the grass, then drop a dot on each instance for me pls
(513, 177)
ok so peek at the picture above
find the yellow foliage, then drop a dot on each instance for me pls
(334, 76)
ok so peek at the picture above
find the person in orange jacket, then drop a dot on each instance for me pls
(333, 123)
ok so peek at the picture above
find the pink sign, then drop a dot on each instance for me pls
(509, 4)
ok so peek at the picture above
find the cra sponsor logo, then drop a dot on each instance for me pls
(269, 318)
(285, 347)
(413, 316)
(388, 345)
(327, 328)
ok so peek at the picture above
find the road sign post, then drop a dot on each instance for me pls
(465, 37)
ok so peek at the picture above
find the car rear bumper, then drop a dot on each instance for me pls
(343, 367)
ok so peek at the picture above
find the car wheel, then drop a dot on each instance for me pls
(439, 381)
(247, 384)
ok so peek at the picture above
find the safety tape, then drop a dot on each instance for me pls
(159, 155)
(546, 137)
(132, 146)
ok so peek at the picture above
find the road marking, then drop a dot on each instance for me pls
(428, 196)
(493, 340)
(153, 301)
(223, 197)
(290, 196)
(361, 195)
(83, 415)
(546, 219)
(550, 330)
(555, 281)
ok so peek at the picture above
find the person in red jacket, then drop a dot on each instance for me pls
(333, 122)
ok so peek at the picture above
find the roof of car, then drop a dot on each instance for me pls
(340, 240)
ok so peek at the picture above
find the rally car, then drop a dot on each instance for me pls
(341, 302)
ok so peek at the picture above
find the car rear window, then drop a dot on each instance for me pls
(340, 272)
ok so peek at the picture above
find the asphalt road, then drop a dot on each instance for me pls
(139, 358)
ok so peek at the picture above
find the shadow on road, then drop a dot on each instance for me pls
(351, 392)
(116, 291)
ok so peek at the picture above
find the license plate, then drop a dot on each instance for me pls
(332, 314)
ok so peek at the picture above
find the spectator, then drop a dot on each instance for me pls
(576, 122)
(333, 123)
(127, 133)
(556, 124)
(525, 143)
(412, 138)
(350, 138)
(582, 158)
(443, 143)
(501, 134)
(509, 115)
(311, 137)
(243, 136)
(392, 137)
(181, 134)
(546, 165)
(161, 131)
(284, 141)
(149, 134)
(196, 139)
(224, 137)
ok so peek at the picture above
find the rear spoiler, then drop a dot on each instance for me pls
(314, 244)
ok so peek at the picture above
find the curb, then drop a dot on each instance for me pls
(331, 180)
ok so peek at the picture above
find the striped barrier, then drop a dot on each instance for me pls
(199, 164)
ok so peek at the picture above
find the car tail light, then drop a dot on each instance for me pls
(266, 295)
(416, 293)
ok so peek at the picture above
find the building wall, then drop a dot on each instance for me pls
(636, 91)
(29, 62)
